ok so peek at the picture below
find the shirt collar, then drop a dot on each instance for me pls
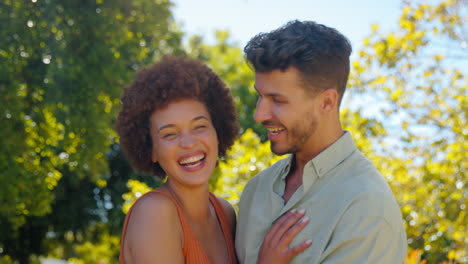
(326, 160)
(333, 155)
(285, 170)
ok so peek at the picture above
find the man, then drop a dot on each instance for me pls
(301, 71)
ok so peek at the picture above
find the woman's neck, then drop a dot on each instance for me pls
(194, 200)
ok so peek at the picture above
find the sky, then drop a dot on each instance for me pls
(246, 18)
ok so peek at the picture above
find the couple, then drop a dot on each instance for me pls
(178, 118)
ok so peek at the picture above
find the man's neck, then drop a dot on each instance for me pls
(295, 175)
(293, 180)
(321, 141)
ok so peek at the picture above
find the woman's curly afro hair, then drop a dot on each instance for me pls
(157, 86)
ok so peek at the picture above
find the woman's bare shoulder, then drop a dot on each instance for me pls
(153, 203)
(154, 228)
(153, 210)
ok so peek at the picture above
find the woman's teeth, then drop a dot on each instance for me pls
(192, 161)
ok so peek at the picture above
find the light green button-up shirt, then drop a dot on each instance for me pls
(354, 217)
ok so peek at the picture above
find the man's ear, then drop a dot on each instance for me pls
(329, 100)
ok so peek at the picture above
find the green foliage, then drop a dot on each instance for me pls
(62, 68)
(104, 250)
(415, 73)
(136, 190)
(66, 186)
(6, 260)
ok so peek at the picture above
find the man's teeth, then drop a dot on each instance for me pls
(191, 159)
(275, 130)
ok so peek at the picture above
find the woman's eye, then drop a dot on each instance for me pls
(169, 136)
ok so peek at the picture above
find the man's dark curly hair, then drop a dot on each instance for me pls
(157, 86)
(320, 53)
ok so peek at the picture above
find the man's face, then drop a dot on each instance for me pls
(286, 110)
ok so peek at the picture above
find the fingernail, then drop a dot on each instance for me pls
(302, 211)
(305, 219)
(293, 211)
(308, 241)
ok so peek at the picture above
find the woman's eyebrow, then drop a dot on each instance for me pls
(165, 126)
(172, 125)
(200, 117)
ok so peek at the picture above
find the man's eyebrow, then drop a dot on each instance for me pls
(269, 94)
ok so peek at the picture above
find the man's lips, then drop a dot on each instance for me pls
(275, 130)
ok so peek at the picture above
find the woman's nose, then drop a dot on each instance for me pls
(187, 141)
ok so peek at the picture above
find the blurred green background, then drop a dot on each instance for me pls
(65, 186)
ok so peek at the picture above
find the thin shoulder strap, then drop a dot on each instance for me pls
(183, 221)
(224, 222)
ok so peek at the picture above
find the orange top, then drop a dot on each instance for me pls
(193, 251)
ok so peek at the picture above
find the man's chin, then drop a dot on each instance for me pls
(279, 151)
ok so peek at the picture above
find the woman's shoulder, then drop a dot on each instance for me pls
(152, 212)
(155, 201)
(154, 230)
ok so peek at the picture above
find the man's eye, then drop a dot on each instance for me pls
(200, 127)
(259, 98)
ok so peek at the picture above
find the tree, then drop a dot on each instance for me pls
(66, 185)
(63, 65)
(417, 76)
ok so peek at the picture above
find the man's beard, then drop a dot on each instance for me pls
(297, 137)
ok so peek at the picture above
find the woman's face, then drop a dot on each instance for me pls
(185, 142)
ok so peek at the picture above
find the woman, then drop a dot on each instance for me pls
(177, 118)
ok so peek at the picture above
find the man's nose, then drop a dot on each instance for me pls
(262, 113)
